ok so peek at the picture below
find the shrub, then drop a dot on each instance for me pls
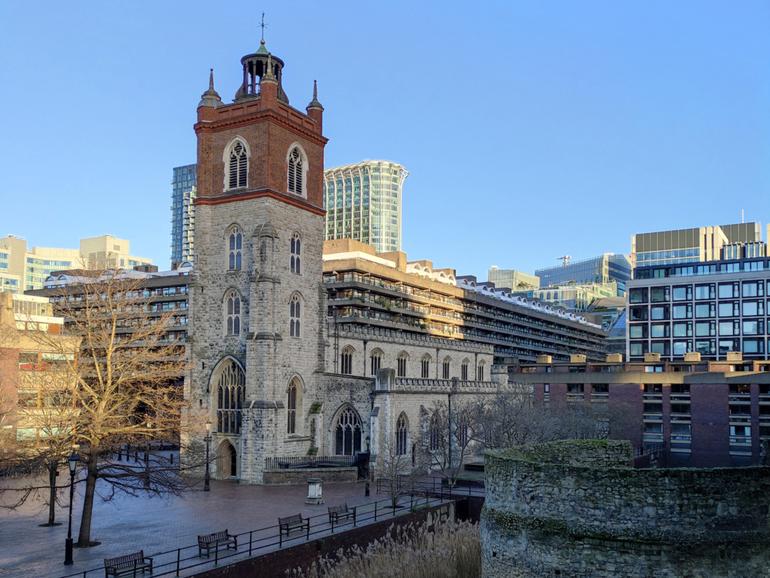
(447, 550)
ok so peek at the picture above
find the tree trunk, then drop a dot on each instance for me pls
(52, 473)
(84, 536)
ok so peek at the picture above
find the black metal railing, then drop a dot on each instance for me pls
(433, 487)
(300, 462)
(186, 560)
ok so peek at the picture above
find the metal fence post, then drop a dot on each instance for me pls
(375, 510)
(216, 556)
(307, 538)
(178, 555)
(251, 533)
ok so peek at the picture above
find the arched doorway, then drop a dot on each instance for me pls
(227, 460)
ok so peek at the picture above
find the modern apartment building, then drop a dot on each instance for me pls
(696, 244)
(184, 188)
(32, 350)
(699, 290)
(605, 268)
(363, 203)
(698, 413)
(412, 298)
(23, 269)
(576, 298)
(512, 279)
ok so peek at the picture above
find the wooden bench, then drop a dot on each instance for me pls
(127, 564)
(208, 541)
(291, 523)
(343, 512)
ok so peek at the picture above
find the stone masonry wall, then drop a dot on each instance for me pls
(575, 509)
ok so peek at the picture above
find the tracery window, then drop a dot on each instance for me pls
(401, 364)
(375, 362)
(296, 249)
(402, 430)
(291, 405)
(445, 368)
(234, 249)
(237, 167)
(294, 316)
(464, 370)
(230, 388)
(425, 366)
(232, 313)
(346, 361)
(347, 433)
(296, 172)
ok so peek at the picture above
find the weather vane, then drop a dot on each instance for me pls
(262, 25)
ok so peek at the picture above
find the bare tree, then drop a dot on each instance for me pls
(126, 386)
(398, 472)
(451, 438)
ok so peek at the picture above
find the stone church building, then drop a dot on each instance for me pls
(263, 370)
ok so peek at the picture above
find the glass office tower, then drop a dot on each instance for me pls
(182, 214)
(363, 202)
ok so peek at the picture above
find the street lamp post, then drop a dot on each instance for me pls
(207, 475)
(72, 462)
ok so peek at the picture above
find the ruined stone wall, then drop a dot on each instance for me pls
(575, 508)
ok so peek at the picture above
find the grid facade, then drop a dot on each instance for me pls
(712, 308)
(183, 194)
(602, 269)
(363, 202)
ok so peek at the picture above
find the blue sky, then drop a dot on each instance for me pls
(530, 129)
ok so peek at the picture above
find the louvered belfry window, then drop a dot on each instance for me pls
(238, 167)
(295, 172)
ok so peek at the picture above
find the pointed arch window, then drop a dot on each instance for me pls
(296, 250)
(230, 389)
(402, 431)
(296, 175)
(234, 249)
(346, 361)
(238, 166)
(294, 316)
(232, 313)
(464, 370)
(375, 362)
(480, 373)
(445, 368)
(401, 364)
(347, 433)
(425, 367)
(293, 396)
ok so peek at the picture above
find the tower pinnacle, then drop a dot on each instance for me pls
(210, 97)
(314, 103)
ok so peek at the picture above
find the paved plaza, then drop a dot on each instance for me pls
(126, 524)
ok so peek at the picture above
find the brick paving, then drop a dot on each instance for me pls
(126, 524)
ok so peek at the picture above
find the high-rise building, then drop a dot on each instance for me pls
(699, 290)
(694, 245)
(23, 269)
(363, 203)
(184, 187)
(512, 279)
(605, 268)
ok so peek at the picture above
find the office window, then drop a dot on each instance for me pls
(639, 313)
(753, 288)
(637, 295)
(659, 312)
(637, 331)
(753, 346)
(726, 345)
(729, 290)
(659, 330)
(659, 347)
(705, 328)
(754, 327)
(659, 294)
(638, 348)
(729, 328)
(705, 291)
(705, 346)
(704, 310)
(729, 308)
(682, 347)
(752, 308)
(681, 311)
(683, 329)
(682, 293)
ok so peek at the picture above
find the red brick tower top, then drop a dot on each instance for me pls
(259, 145)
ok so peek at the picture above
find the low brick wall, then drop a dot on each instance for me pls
(299, 476)
(275, 564)
(575, 508)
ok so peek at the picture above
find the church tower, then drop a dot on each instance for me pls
(256, 347)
